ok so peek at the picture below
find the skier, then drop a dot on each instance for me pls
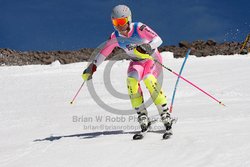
(140, 42)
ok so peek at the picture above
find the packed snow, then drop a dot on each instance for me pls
(39, 127)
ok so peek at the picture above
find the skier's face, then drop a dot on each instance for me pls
(123, 28)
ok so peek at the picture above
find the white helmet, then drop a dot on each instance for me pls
(121, 11)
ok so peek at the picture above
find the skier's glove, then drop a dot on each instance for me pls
(88, 72)
(143, 51)
(145, 48)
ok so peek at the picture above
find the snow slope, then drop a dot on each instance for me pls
(40, 128)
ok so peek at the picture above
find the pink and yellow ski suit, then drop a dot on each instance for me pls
(139, 69)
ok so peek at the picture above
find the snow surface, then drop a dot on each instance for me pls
(39, 126)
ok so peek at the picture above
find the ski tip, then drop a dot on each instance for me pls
(138, 136)
(167, 135)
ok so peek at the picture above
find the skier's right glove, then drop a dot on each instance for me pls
(143, 51)
(145, 48)
(88, 72)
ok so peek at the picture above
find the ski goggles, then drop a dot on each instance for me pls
(120, 21)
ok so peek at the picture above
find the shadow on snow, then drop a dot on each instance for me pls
(90, 135)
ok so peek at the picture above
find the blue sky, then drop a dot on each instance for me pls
(70, 25)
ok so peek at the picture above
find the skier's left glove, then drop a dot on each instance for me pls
(143, 51)
(88, 72)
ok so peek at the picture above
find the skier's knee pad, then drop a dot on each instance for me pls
(134, 93)
(155, 90)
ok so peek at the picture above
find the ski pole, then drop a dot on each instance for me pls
(190, 83)
(77, 93)
(177, 81)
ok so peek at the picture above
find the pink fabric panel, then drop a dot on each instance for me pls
(146, 33)
(158, 68)
(146, 67)
(136, 66)
(109, 46)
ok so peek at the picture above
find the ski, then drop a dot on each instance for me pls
(166, 134)
(139, 136)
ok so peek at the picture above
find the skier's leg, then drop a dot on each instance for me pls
(159, 99)
(150, 74)
(136, 98)
(136, 95)
(161, 104)
(155, 90)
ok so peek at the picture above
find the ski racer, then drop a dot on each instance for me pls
(140, 42)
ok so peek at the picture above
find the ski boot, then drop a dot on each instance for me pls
(145, 124)
(167, 121)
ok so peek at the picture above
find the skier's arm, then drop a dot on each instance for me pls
(106, 50)
(147, 33)
(100, 57)
(152, 42)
